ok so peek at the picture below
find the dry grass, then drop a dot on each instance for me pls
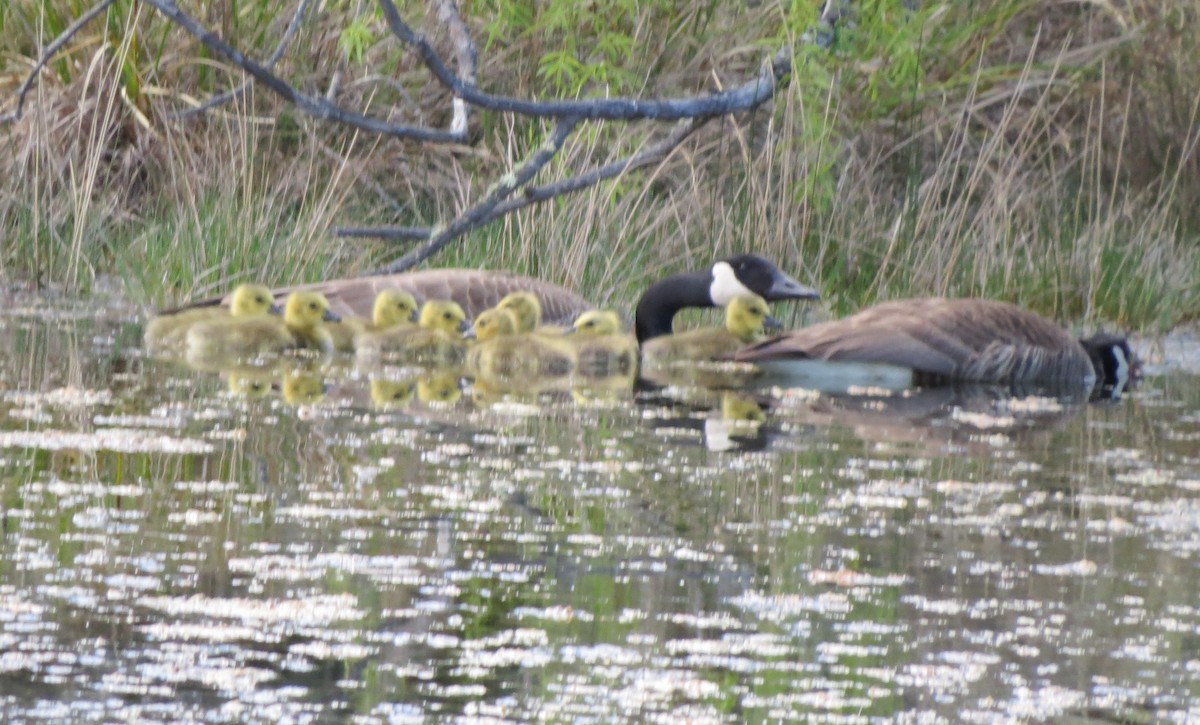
(1046, 156)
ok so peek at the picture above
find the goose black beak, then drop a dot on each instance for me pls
(467, 330)
(331, 316)
(413, 316)
(784, 287)
(771, 324)
(275, 309)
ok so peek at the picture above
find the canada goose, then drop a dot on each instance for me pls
(392, 308)
(713, 287)
(437, 340)
(235, 337)
(934, 341)
(502, 353)
(170, 329)
(601, 349)
(746, 320)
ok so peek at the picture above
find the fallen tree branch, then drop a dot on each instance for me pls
(498, 193)
(222, 98)
(49, 52)
(536, 194)
(312, 105)
(742, 98)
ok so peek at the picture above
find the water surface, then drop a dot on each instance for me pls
(174, 551)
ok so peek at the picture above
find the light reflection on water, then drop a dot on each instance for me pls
(172, 551)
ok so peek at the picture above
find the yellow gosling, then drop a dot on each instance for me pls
(746, 321)
(437, 339)
(393, 308)
(600, 347)
(528, 310)
(302, 326)
(502, 353)
(169, 331)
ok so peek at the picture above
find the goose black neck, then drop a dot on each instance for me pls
(657, 307)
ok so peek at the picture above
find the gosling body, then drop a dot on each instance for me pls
(393, 309)
(302, 326)
(169, 330)
(437, 339)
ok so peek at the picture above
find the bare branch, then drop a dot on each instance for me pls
(222, 98)
(50, 52)
(312, 105)
(498, 193)
(536, 194)
(742, 98)
(399, 234)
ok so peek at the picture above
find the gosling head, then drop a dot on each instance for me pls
(393, 307)
(526, 307)
(307, 310)
(252, 299)
(747, 318)
(493, 323)
(444, 315)
(597, 322)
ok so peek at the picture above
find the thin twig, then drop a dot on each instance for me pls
(742, 98)
(312, 105)
(50, 52)
(497, 194)
(222, 98)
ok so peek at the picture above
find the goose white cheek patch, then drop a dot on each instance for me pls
(1122, 364)
(725, 285)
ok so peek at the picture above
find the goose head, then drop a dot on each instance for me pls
(1114, 362)
(493, 323)
(595, 323)
(714, 287)
(307, 310)
(748, 318)
(393, 307)
(526, 307)
(252, 299)
(445, 316)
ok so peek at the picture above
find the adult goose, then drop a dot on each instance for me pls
(477, 290)
(937, 341)
(742, 274)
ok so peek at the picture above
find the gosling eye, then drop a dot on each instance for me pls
(447, 315)
(312, 305)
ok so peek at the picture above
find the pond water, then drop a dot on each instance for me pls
(173, 551)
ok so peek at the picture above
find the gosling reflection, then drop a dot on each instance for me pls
(738, 425)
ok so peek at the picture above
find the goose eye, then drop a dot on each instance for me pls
(312, 305)
(446, 315)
